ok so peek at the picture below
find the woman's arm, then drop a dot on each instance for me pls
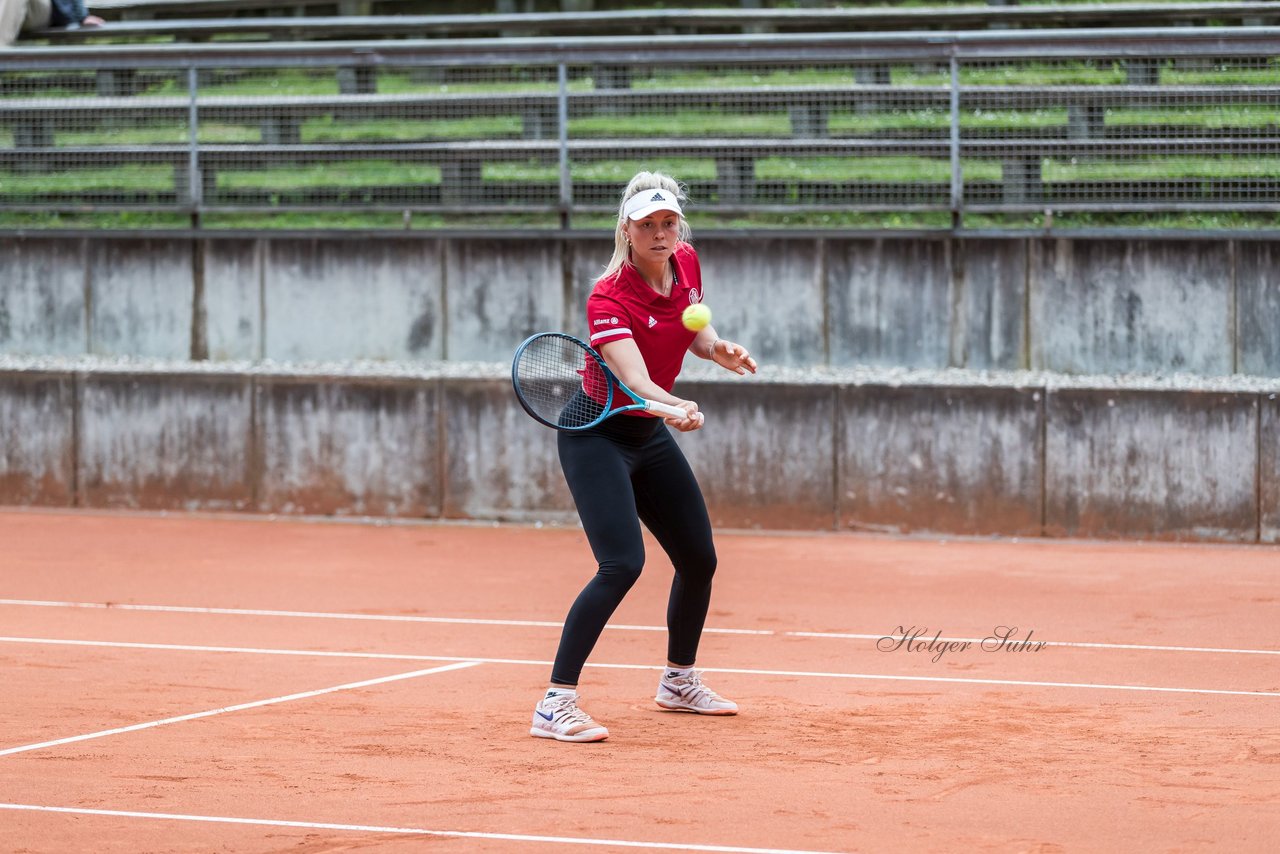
(624, 359)
(728, 355)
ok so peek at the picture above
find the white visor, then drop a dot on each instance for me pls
(646, 202)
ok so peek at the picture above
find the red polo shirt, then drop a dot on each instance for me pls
(622, 306)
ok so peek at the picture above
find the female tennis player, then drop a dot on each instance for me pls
(628, 469)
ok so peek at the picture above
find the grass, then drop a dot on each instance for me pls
(1223, 76)
(611, 172)
(361, 220)
(105, 219)
(736, 78)
(906, 170)
(327, 129)
(678, 123)
(826, 219)
(1223, 116)
(1204, 220)
(287, 81)
(164, 135)
(1155, 168)
(128, 178)
(366, 173)
(690, 123)
(1031, 74)
(343, 220)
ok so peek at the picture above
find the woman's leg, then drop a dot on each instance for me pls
(597, 471)
(670, 503)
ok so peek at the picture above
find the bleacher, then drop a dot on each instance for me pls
(275, 27)
(222, 9)
(994, 120)
(889, 14)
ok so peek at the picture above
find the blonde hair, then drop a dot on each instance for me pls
(643, 181)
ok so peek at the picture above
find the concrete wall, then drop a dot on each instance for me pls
(352, 300)
(890, 302)
(1132, 307)
(140, 297)
(233, 301)
(1079, 305)
(964, 460)
(498, 463)
(991, 315)
(37, 439)
(42, 297)
(500, 292)
(343, 446)
(770, 293)
(767, 458)
(1178, 465)
(1025, 459)
(1257, 267)
(1269, 469)
(183, 443)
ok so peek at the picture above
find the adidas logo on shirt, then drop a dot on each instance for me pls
(652, 322)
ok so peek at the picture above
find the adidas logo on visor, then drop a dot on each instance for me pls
(639, 206)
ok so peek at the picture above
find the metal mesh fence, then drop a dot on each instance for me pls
(822, 141)
(1196, 133)
(76, 139)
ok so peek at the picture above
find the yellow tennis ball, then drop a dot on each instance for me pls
(695, 317)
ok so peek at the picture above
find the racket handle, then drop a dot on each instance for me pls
(665, 409)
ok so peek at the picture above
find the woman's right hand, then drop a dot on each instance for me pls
(693, 421)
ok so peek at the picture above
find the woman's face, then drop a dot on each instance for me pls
(653, 238)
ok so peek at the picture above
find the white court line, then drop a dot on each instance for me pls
(404, 618)
(538, 663)
(322, 615)
(239, 708)
(417, 831)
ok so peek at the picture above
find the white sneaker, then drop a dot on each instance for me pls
(558, 716)
(688, 694)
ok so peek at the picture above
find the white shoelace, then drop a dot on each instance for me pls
(565, 711)
(693, 691)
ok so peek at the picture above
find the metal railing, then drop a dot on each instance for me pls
(692, 21)
(765, 129)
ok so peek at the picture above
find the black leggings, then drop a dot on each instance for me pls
(621, 472)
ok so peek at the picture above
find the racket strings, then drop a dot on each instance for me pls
(550, 376)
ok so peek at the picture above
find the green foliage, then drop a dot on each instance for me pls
(792, 181)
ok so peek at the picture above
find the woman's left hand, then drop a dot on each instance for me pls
(733, 357)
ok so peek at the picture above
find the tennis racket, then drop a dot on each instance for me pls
(564, 384)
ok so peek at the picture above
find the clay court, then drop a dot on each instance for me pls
(206, 683)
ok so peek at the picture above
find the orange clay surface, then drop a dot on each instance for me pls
(1149, 722)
